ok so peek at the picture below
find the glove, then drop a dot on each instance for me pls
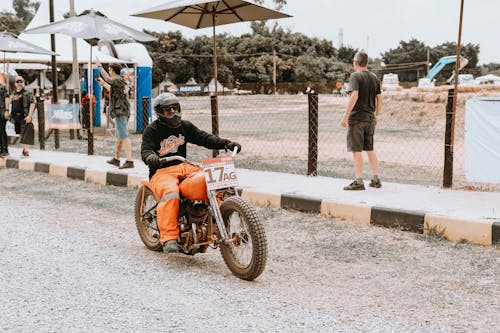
(153, 161)
(230, 146)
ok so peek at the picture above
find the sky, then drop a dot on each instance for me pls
(376, 26)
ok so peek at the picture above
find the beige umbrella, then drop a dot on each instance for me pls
(199, 14)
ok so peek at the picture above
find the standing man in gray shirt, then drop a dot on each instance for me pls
(361, 118)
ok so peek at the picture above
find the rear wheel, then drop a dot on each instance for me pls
(246, 253)
(145, 219)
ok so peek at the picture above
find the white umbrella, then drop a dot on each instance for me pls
(89, 25)
(10, 43)
(199, 14)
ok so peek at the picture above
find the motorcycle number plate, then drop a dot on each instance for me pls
(219, 173)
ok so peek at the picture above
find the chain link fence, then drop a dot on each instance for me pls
(278, 133)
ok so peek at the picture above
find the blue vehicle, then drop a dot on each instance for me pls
(442, 62)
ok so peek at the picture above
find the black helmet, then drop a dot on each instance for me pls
(164, 102)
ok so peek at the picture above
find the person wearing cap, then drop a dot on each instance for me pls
(22, 108)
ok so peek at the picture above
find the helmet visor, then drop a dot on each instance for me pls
(170, 111)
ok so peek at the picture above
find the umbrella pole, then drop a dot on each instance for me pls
(215, 100)
(90, 134)
(6, 74)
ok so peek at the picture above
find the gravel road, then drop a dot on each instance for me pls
(71, 261)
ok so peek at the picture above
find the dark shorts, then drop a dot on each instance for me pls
(360, 136)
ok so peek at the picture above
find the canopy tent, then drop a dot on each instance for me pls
(6, 67)
(63, 43)
(69, 83)
(30, 66)
(41, 82)
(495, 79)
(211, 87)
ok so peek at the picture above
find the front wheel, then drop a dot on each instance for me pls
(145, 219)
(246, 252)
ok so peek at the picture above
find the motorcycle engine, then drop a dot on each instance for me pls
(197, 212)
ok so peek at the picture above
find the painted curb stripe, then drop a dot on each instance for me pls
(348, 212)
(42, 167)
(75, 172)
(495, 233)
(12, 163)
(391, 218)
(290, 201)
(400, 219)
(117, 179)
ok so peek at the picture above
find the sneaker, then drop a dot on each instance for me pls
(114, 162)
(355, 186)
(127, 165)
(170, 246)
(376, 183)
(26, 153)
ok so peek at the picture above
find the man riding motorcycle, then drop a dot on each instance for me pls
(168, 136)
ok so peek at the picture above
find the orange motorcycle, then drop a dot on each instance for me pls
(226, 221)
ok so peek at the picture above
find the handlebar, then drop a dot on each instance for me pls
(182, 159)
(172, 158)
(235, 151)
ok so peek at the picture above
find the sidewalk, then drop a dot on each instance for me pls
(455, 214)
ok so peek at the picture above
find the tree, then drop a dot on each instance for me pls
(25, 9)
(346, 54)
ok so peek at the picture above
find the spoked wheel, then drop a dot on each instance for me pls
(145, 219)
(246, 254)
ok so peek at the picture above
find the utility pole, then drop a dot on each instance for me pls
(428, 60)
(274, 71)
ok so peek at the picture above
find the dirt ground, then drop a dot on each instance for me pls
(322, 275)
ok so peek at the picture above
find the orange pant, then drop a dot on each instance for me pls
(165, 185)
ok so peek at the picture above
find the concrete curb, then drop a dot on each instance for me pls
(484, 232)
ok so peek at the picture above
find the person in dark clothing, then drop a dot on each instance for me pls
(22, 108)
(168, 136)
(4, 117)
(361, 116)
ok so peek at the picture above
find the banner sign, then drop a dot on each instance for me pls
(63, 116)
(190, 89)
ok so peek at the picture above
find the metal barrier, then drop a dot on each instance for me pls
(312, 151)
(40, 106)
(146, 105)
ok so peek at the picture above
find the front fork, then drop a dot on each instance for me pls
(214, 204)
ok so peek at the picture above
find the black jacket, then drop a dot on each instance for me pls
(164, 141)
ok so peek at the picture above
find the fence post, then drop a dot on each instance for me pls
(145, 113)
(41, 121)
(72, 131)
(215, 121)
(312, 152)
(448, 149)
